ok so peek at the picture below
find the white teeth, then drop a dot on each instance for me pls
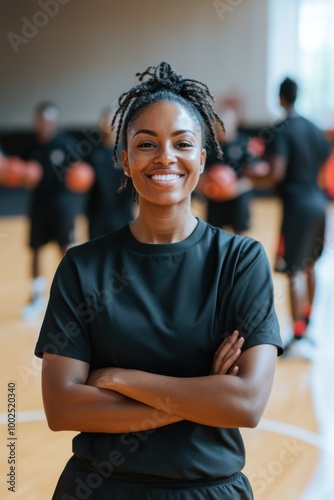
(168, 177)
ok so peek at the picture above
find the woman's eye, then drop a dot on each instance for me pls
(183, 145)
(146, 145)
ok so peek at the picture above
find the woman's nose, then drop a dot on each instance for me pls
(165, 155)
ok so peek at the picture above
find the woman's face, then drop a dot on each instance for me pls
(164, 156)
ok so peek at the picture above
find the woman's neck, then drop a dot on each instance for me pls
(162, 225)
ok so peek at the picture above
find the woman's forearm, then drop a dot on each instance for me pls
(91, 409)
(71, 403)
(216, 400)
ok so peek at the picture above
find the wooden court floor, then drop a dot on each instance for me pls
(289, 455)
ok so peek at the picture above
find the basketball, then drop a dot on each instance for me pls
(32, 174)
(13, 174)
(79, 177)
(218, 183)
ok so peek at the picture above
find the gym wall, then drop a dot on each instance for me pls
(84, 53)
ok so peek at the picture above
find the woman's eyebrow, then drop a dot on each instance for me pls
(184, 131)
(145, 131)
(154, 134)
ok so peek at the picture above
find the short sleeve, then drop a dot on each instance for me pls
(63, 330)
(252, 298)
(277, 145)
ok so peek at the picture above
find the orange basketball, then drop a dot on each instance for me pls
(79, 177)
(33, 174)
(13, 175)
(218, 183)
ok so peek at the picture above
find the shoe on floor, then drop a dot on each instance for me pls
(303, 348)
(34, 309)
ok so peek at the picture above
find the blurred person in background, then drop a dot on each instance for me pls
(107, 210)
(233, 212)
(53, 206)
(296, 152)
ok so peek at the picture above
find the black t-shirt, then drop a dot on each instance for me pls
(161, 308)
(54, 156)
(104, 200)
(305, 148)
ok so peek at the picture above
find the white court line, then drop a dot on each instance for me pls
(24, 416)
(291, 430)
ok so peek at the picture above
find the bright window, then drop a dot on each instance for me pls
(316, 61)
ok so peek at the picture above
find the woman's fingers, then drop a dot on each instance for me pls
(227, 354)
(228, 343)
(234, 370)
(224, 365)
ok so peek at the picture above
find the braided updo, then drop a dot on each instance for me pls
(160, 84)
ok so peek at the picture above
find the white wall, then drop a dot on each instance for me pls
(85, 55)
(282, 48)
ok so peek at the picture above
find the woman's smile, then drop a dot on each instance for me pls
(165, 178)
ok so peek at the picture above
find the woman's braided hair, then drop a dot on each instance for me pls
(160, 84)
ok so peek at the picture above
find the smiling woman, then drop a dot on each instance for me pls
(158, 379)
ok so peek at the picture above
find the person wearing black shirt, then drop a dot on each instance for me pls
(107, 210)
(234, 212)
(296, 152)
(160, 339)
(53, 207)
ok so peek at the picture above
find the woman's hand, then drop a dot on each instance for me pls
(227, 354)
(100, 377)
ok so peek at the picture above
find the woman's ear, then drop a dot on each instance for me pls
(125, 163)
(203, 159)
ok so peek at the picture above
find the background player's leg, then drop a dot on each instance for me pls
(300, 345)
(297, 300)
(36, 263)
(37, 299)
(63, 224)
(310, 292)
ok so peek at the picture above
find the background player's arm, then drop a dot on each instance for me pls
(71, 404)
(277, 169)
(217, 400)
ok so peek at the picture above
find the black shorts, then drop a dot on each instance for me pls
(234, 213)
(51, 225)
(80, 480)
(302, 233)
